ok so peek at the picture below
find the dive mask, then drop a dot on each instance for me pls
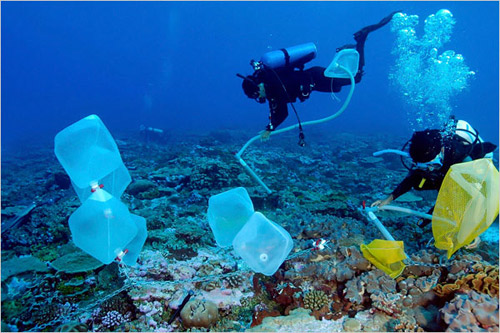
(250, 87)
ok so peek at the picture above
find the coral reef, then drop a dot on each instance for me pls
(113, 319)
(76, 262)
(484, 280)
(389, 303)
(418, 289)
(20, 265)
(49, 284)
(339, 264)
(140, 186)
(373, 282)
(212, 173)
(471, 311)
(111, 314)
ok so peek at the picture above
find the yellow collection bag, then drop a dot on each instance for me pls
(467, 204)
(386, 255)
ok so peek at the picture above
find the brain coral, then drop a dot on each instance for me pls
(199, 313)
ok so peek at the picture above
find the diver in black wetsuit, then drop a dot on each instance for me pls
(433, 153)
(284, 85)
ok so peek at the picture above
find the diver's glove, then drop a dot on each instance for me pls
(264, 135)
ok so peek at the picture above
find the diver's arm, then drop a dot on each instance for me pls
(278, 111)
(401, 189)
(410, 181)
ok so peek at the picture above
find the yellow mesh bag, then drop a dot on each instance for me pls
(386, 255)
(467, 204)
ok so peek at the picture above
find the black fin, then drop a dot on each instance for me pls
(363, 33)
(481, 149)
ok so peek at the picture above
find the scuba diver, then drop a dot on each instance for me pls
(433, 152)
(151, 134)
(286, 80)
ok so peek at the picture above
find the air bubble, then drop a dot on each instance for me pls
(427, 79)
(444, 13)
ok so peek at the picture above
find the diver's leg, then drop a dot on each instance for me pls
(360, 38)
(362, 34)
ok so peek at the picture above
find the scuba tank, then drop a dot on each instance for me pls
(295, 56)
(467, 132)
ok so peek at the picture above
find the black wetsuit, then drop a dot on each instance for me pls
(456, 149)
(286, 85)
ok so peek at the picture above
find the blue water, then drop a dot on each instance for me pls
(172, 64)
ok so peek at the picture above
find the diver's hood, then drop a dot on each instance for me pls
(425, 145)
(251, 88)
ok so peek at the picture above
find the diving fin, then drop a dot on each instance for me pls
(363, 33)
(481, 149)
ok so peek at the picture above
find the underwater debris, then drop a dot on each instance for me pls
(20, 217)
